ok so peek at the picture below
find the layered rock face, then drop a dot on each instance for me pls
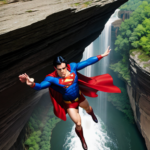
(139, 95)
(31, 34)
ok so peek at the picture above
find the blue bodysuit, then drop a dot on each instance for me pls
(68, 86)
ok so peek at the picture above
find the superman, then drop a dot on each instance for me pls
(67, 88)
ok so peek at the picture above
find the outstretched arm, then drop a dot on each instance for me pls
(92, 60)
(42, 85)
(30, 81)
(88, 62)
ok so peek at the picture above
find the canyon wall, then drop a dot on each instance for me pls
(139, 90)
(139, 94)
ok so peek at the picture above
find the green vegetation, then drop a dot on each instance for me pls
(140, 37)
(29, 11)
(82, 4)
(132, 5)
(123, 71)
(141, 56)
(76, 4)
(2, 2)
(121, 102)
(134, 33)
(41, 124)
(87, 3)
(131, 52)
(146, 65)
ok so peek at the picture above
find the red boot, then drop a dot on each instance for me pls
(80, 135)
(92, 114)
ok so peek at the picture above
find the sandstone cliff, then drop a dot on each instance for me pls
(139, 92)
(31, 34)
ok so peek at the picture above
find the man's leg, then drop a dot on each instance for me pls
(85, 105)
(75, 116)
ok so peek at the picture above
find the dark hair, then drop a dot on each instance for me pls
(58, 60)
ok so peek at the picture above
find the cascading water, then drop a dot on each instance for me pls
(94, 133)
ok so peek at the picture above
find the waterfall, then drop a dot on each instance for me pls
(95, 133)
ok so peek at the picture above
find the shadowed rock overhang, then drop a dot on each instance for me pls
(32, 36)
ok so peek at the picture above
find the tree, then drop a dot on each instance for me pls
(134, 33)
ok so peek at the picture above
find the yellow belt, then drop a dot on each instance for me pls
(69, 102)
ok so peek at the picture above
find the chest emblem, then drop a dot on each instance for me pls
(68, 80)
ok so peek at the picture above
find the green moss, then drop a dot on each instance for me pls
(146, 65)
(82, 5)
(134, 50)
(2, 2)
(29, 11)
(142, 56)
(131, 52)
(88, 3)
(76, 4)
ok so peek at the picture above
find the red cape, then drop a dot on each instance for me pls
(87, 85)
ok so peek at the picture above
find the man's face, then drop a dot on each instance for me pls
(61, 70)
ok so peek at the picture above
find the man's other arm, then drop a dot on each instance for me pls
(92, 60)
(88, 62)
